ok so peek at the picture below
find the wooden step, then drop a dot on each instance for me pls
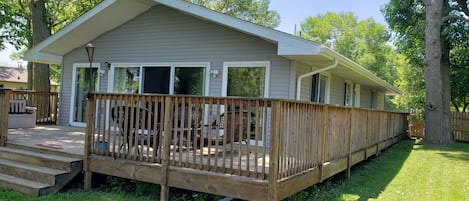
(23, 185)
(31, 172)
(39, 159)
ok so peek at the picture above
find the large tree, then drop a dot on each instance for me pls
(25, 23)
(431, 34)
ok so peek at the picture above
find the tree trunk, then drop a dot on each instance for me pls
(41, 81)
(436, 72)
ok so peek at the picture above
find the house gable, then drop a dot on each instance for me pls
(165, 35)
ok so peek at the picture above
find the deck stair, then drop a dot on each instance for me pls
(36, 173)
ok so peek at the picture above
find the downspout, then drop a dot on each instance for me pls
(298, 82)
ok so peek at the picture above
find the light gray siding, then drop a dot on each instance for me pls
(380, 97)
(305, 93)
(166, 35)
(337, 90)
(365, 97)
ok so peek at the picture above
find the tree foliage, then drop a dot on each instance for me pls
(365, 42)
(255, 11)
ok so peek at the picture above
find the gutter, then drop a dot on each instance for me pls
(298, 82)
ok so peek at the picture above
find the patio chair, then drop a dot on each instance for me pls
(129, 125)
(21, 116)
(226, 128)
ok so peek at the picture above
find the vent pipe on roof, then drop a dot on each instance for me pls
(298, 82)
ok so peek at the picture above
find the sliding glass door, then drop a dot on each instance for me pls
(84, 81)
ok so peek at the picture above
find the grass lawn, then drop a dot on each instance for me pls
(407, 171)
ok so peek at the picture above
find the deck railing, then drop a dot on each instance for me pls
(45, 102)
(206, 133)
(283, 145)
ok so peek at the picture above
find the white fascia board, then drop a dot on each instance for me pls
(41, 57)
(361, 70)
(287, 44)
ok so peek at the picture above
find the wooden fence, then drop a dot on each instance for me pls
(460, 126)
(255, 149)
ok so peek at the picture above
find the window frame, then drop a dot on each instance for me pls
(71, 121)
(171, 65)
(246, 64)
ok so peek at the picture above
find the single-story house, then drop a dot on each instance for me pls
(17, 78)
(176, 47)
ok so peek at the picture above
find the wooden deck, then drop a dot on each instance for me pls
(269, 149)
(65, 140)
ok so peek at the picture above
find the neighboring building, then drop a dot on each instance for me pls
(175, 47)
(17, 78)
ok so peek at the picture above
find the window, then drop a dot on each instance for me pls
(84, 80)
(246, 79)
(319, 88)
(348, 95)
(168, 78)
(189, 80)
(126, 80)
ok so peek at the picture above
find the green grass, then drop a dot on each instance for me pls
(406, 171)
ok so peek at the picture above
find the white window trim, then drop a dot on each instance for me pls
(357, 92)
(328, 87)
(248, 64)
(72, 97)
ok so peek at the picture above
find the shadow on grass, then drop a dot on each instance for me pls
(457, 151)
(368, 179)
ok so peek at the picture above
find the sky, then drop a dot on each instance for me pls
(293, 12)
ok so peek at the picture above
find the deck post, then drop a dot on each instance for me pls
(350, 134)
(90, 120)
(325, 114)
(167, 129)
(274, 151)
(4, 108)
(366, 134)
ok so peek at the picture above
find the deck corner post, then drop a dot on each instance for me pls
(350, 134)
(325, 116)
(90, 125)
(167, 129)
(273, 194)
(4, 108)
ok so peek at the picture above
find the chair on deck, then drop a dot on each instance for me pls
(227, 129)
(132, 122)
(21, 116)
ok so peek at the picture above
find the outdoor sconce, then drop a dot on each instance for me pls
(105, 67)
(214, 73)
